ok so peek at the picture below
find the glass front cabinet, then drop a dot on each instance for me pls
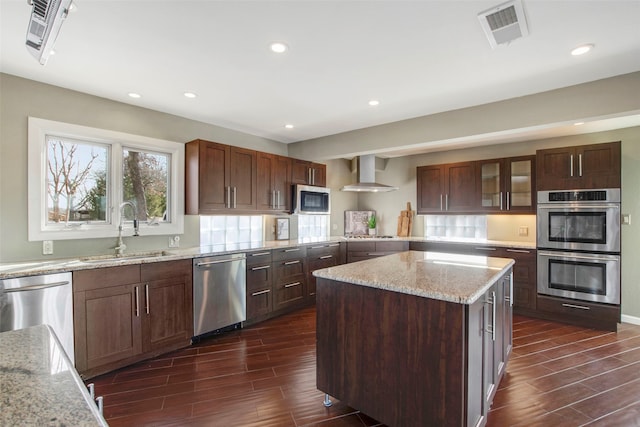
(507, 185)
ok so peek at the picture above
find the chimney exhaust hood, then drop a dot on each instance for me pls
(366, 177)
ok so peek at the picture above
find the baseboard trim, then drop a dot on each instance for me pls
(630, 319)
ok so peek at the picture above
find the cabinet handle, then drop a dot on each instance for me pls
(227, 193)
(291, 285)
(333, 245)
(326, 257)
(501, 200)
(317, 247)
(92, 390)
(100, 404)
(519, 251)
(235, 191)
(309, 176)
(292, 262)
(266, 291)
(137, 301)
(511, 289)
(259, 253)
(581, 307)
(278, 199)
(493, 329)
(440, 201)
(446, 202)
(292, 250)
(508, 200)
(146, 296)
(571, 165)
(262, 267)
(579, 164)
(484, 249)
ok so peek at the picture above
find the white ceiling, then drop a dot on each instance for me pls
(415, 57)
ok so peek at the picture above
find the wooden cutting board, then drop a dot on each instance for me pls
(405, 222)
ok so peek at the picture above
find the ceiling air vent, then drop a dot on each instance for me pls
(504, 23)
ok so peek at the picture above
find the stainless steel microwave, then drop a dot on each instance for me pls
(308, 199)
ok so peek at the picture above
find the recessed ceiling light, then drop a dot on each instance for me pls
(134, 95)
(289, 126)
(190, 95)
(581, 50)
(279, 47)
(374, 102)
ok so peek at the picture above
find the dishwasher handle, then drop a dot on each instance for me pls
(218, 261)
(37, 287)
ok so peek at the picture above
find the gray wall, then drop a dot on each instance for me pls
(21, 98)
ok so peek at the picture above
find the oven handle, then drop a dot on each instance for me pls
(578, 206)
(576, 256)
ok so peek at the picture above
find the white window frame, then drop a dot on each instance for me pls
(41, 229)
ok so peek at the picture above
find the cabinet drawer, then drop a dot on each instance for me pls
(288, 293)
(284, 270)
(317, 251)
(392, 246)
(259, 302)
(579, 309)
(97, 278)
(322, 262)
(289, 253)
(259, 277)
(361, 246)
(258, 258)
(162, 270)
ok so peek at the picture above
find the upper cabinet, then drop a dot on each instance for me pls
(579, 167)
(448, 188)
(274, 188)
(507, 185)
(308, 173)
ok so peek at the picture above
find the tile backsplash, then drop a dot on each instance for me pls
(456, 226)
(229, 229)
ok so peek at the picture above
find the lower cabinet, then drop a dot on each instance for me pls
(321, 256)
(259, 286)
(130, 313)
(358, 251)
(289, 277)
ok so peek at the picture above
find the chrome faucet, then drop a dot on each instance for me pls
(121, 246)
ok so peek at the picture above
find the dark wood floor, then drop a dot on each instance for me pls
(264, 375)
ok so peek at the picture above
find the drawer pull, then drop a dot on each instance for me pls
(317, 247)
(519, 251)
(260, 253)
(262, 267)
(266, 291)
(581, 307)
(291, 285)
(326, 257)
(333, 245)
(292, 250)
(292, 262)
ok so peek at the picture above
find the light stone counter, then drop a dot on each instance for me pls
(448, 277)
(39, 385)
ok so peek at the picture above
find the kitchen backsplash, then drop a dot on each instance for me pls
(519, 228)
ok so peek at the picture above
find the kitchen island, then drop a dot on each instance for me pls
(415, 338)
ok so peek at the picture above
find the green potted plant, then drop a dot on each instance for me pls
(371, 223)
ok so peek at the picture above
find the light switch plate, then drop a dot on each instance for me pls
(47, 247)
(174, 242)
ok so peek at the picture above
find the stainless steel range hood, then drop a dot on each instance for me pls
(366, 177)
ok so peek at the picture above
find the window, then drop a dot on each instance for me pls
(79, 178)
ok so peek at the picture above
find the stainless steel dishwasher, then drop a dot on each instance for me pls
(219, 292)
(39, 300)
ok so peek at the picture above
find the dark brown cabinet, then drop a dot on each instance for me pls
(582, 313)
(579, 167)
(289, 277)
(308, 173)
(321, 256)
(507, 185)
(448, 188)
(130, 313)
(358, 251)
(219, 177)
(274, 183)
(259, 285)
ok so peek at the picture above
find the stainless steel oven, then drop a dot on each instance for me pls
(583, 276)
(584, 220)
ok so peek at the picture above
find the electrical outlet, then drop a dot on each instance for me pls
(174, 242)
(626, 219)
(523, 231)
(47, 247)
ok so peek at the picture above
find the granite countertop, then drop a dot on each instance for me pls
(39, 385)
(448, 277)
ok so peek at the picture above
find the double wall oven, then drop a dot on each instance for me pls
(578, 236)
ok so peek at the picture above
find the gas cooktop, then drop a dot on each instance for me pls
(367, 236)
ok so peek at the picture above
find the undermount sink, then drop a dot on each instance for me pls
(123, 257)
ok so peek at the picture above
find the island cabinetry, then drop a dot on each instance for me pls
(130, 313)
(579, 167)
(259, 285)
(321, 256)
(447, 188)
(308, 173)
(289, 277)
(274, 182)
(440, 358)
(358, 251)
(507, 185)
(219, 178)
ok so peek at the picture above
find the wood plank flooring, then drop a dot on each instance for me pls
(264, 376)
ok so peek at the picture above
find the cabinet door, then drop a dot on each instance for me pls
(319, 175)
(213, 176)
(491, 184)
(242, 178)
(598, 165)
(554, 168)
(282, 183)
(460, 186)
(524, 278)
(489, 386)
(476, 406)
(430, 184)
(507, 320)
(108, 325)
(265, 191)
(300, 172)
(168, 312)
(520, 184)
